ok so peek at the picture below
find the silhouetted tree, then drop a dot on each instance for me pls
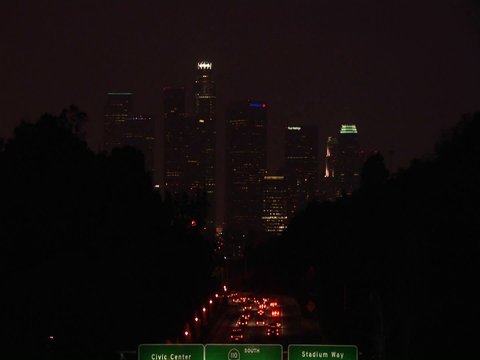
(89, 251)
(374, 172)
(394, 263)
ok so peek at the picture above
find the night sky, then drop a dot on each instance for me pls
(401, 70)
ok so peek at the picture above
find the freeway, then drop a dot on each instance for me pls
(255, 313)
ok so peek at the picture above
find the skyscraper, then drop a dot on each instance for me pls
(301, 165)
(246, 141)
(331, 157)
(117, 110)
(205, 132)
(275, 214)
(329, 189)
(139, 133)
(349, 162)
(179, 166)
(124, 128)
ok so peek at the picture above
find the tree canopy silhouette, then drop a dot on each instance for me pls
(374, 172)
(90, 252)
(392, 267)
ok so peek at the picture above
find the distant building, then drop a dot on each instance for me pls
(124, 128)
(205, 130)
(301, 165)
(343, 161)
(349, 159)
(117, 110)
(275, 214)
(329, 187)
(246, 162)
(331, 157)
(139, 133)
(178, 134)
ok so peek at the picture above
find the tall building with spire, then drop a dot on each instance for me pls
(205, 130)
(331, 157)
(329, 189)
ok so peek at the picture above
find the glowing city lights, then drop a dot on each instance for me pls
(257, 105)
(348, 129)
(204, 65)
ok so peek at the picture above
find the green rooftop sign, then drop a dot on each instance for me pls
(243, 352)
(170, 352)
(348, 129)
(320, 352)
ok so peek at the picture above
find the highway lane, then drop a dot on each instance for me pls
(294, 327)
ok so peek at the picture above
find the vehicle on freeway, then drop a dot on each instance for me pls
(242, 321)
(237, 334)
(275, 312)
(273, 330)
(260, 320)
(275, 322)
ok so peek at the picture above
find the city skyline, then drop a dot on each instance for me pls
(306, 99)
(176, 158)
(401, 72)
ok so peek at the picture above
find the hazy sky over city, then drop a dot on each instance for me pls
(401, 70)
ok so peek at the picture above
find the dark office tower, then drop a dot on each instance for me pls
(117, 110)
(348, 160)
(205, 131)
(246, 162)
(123, 128)
(177, 142)
(275, 213)
(301, 165)
(139, 132)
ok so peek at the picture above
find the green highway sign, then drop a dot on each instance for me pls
(243, 352)
(170, 352)
(319, 352)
